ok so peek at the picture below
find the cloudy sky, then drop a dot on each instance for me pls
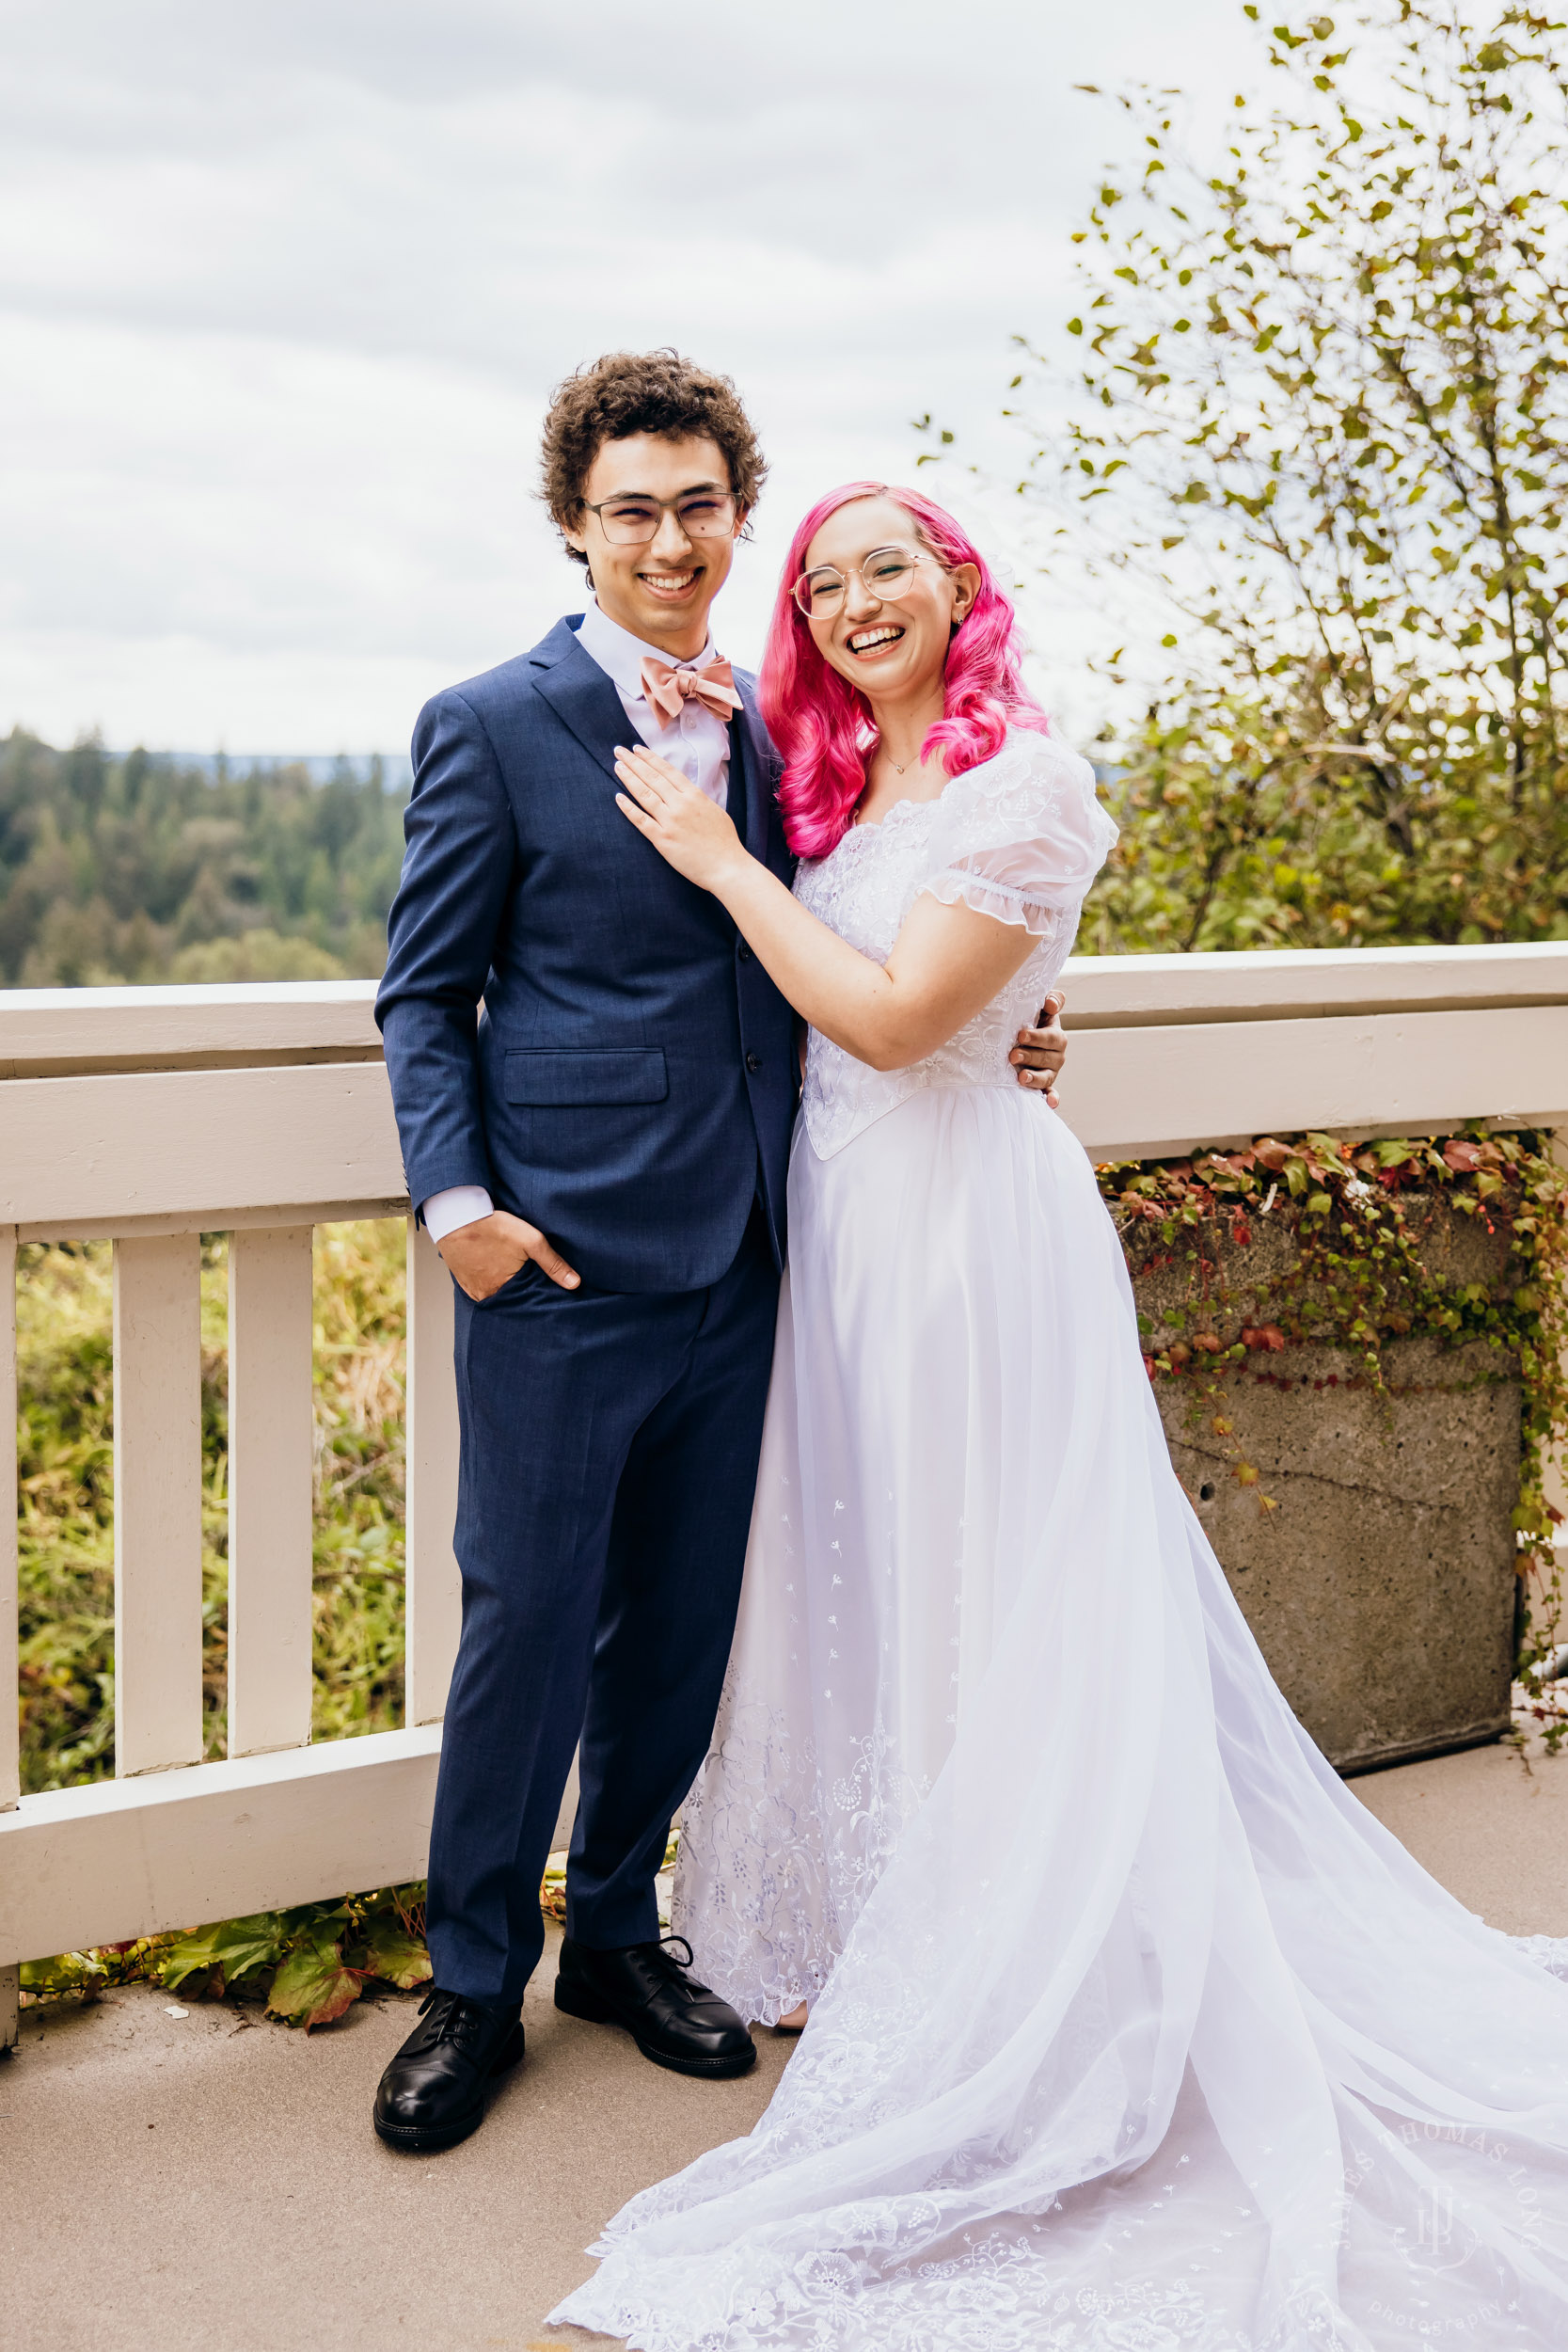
(284, 287)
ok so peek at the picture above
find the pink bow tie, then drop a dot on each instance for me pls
(667, 687)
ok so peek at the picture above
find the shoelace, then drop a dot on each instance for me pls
(661, 1957)
(457, 2022)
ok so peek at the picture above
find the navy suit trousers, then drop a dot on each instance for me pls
(609, 1444)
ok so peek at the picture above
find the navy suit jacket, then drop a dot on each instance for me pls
(628, 1081)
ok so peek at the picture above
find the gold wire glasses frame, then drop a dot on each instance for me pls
(886, 574)
(631, 522)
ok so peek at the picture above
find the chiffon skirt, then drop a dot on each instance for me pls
(1132, 2030)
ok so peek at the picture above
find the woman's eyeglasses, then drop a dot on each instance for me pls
(631, 522)
(886, 574)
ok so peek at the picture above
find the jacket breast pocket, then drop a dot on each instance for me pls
(579, 1079)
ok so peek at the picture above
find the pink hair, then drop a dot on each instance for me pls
(823, 725)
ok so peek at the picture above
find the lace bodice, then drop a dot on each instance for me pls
(1019, 838)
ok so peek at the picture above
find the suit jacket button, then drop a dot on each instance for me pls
(752, 1064)
(744, 952)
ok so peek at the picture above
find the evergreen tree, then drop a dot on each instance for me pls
(142, 869)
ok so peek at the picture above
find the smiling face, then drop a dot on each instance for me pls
(893, 649)
(660, 592)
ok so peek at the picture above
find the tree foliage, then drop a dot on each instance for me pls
(1324, 412)
(139, 869)
(66, 1531)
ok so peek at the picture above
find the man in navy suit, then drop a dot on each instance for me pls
(595, 1084)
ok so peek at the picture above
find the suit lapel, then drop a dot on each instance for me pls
(581, 695)
(584, 699)
(757, 761)
(740, 799)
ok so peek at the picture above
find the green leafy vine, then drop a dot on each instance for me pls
(306, 1964)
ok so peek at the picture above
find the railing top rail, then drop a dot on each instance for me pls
(1300, 983)
(74, 1031)
(47, 1032)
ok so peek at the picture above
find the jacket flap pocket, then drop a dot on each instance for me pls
(579, 1078)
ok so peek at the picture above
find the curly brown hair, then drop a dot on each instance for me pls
(640, 391)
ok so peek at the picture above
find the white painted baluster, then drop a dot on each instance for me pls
(157, 1503)
(434, 1600)
(270, 1498)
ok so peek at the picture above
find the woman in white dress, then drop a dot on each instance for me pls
(1130, 2029)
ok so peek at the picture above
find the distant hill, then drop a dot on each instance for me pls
(143, 867)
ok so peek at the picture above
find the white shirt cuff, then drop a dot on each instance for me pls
(460, 1204)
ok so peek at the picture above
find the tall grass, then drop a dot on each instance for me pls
(64, 1313)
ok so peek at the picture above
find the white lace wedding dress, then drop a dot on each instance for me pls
(1132, 2030)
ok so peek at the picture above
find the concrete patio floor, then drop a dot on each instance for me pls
(148, 2162)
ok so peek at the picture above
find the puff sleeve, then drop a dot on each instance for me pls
(1022, 836)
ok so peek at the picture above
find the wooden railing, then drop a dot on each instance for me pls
(152, 1115)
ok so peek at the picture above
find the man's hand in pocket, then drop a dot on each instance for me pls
(481, 1256)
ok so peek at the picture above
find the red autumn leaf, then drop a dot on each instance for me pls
(1263, 1335)
(1149, 1366)
(1464, 1158)
(1206, 1340)
(1271, 1154)
(1241, 1233)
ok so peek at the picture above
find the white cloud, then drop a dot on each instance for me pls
(284, 292)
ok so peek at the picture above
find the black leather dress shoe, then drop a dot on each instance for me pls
(431, 2095)
(672, 2019)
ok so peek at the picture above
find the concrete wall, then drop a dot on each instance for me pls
(1382, 1587)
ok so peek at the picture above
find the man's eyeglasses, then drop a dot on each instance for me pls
(886, 574)
(631, 522)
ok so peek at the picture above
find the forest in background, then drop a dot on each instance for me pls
(139, 868)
